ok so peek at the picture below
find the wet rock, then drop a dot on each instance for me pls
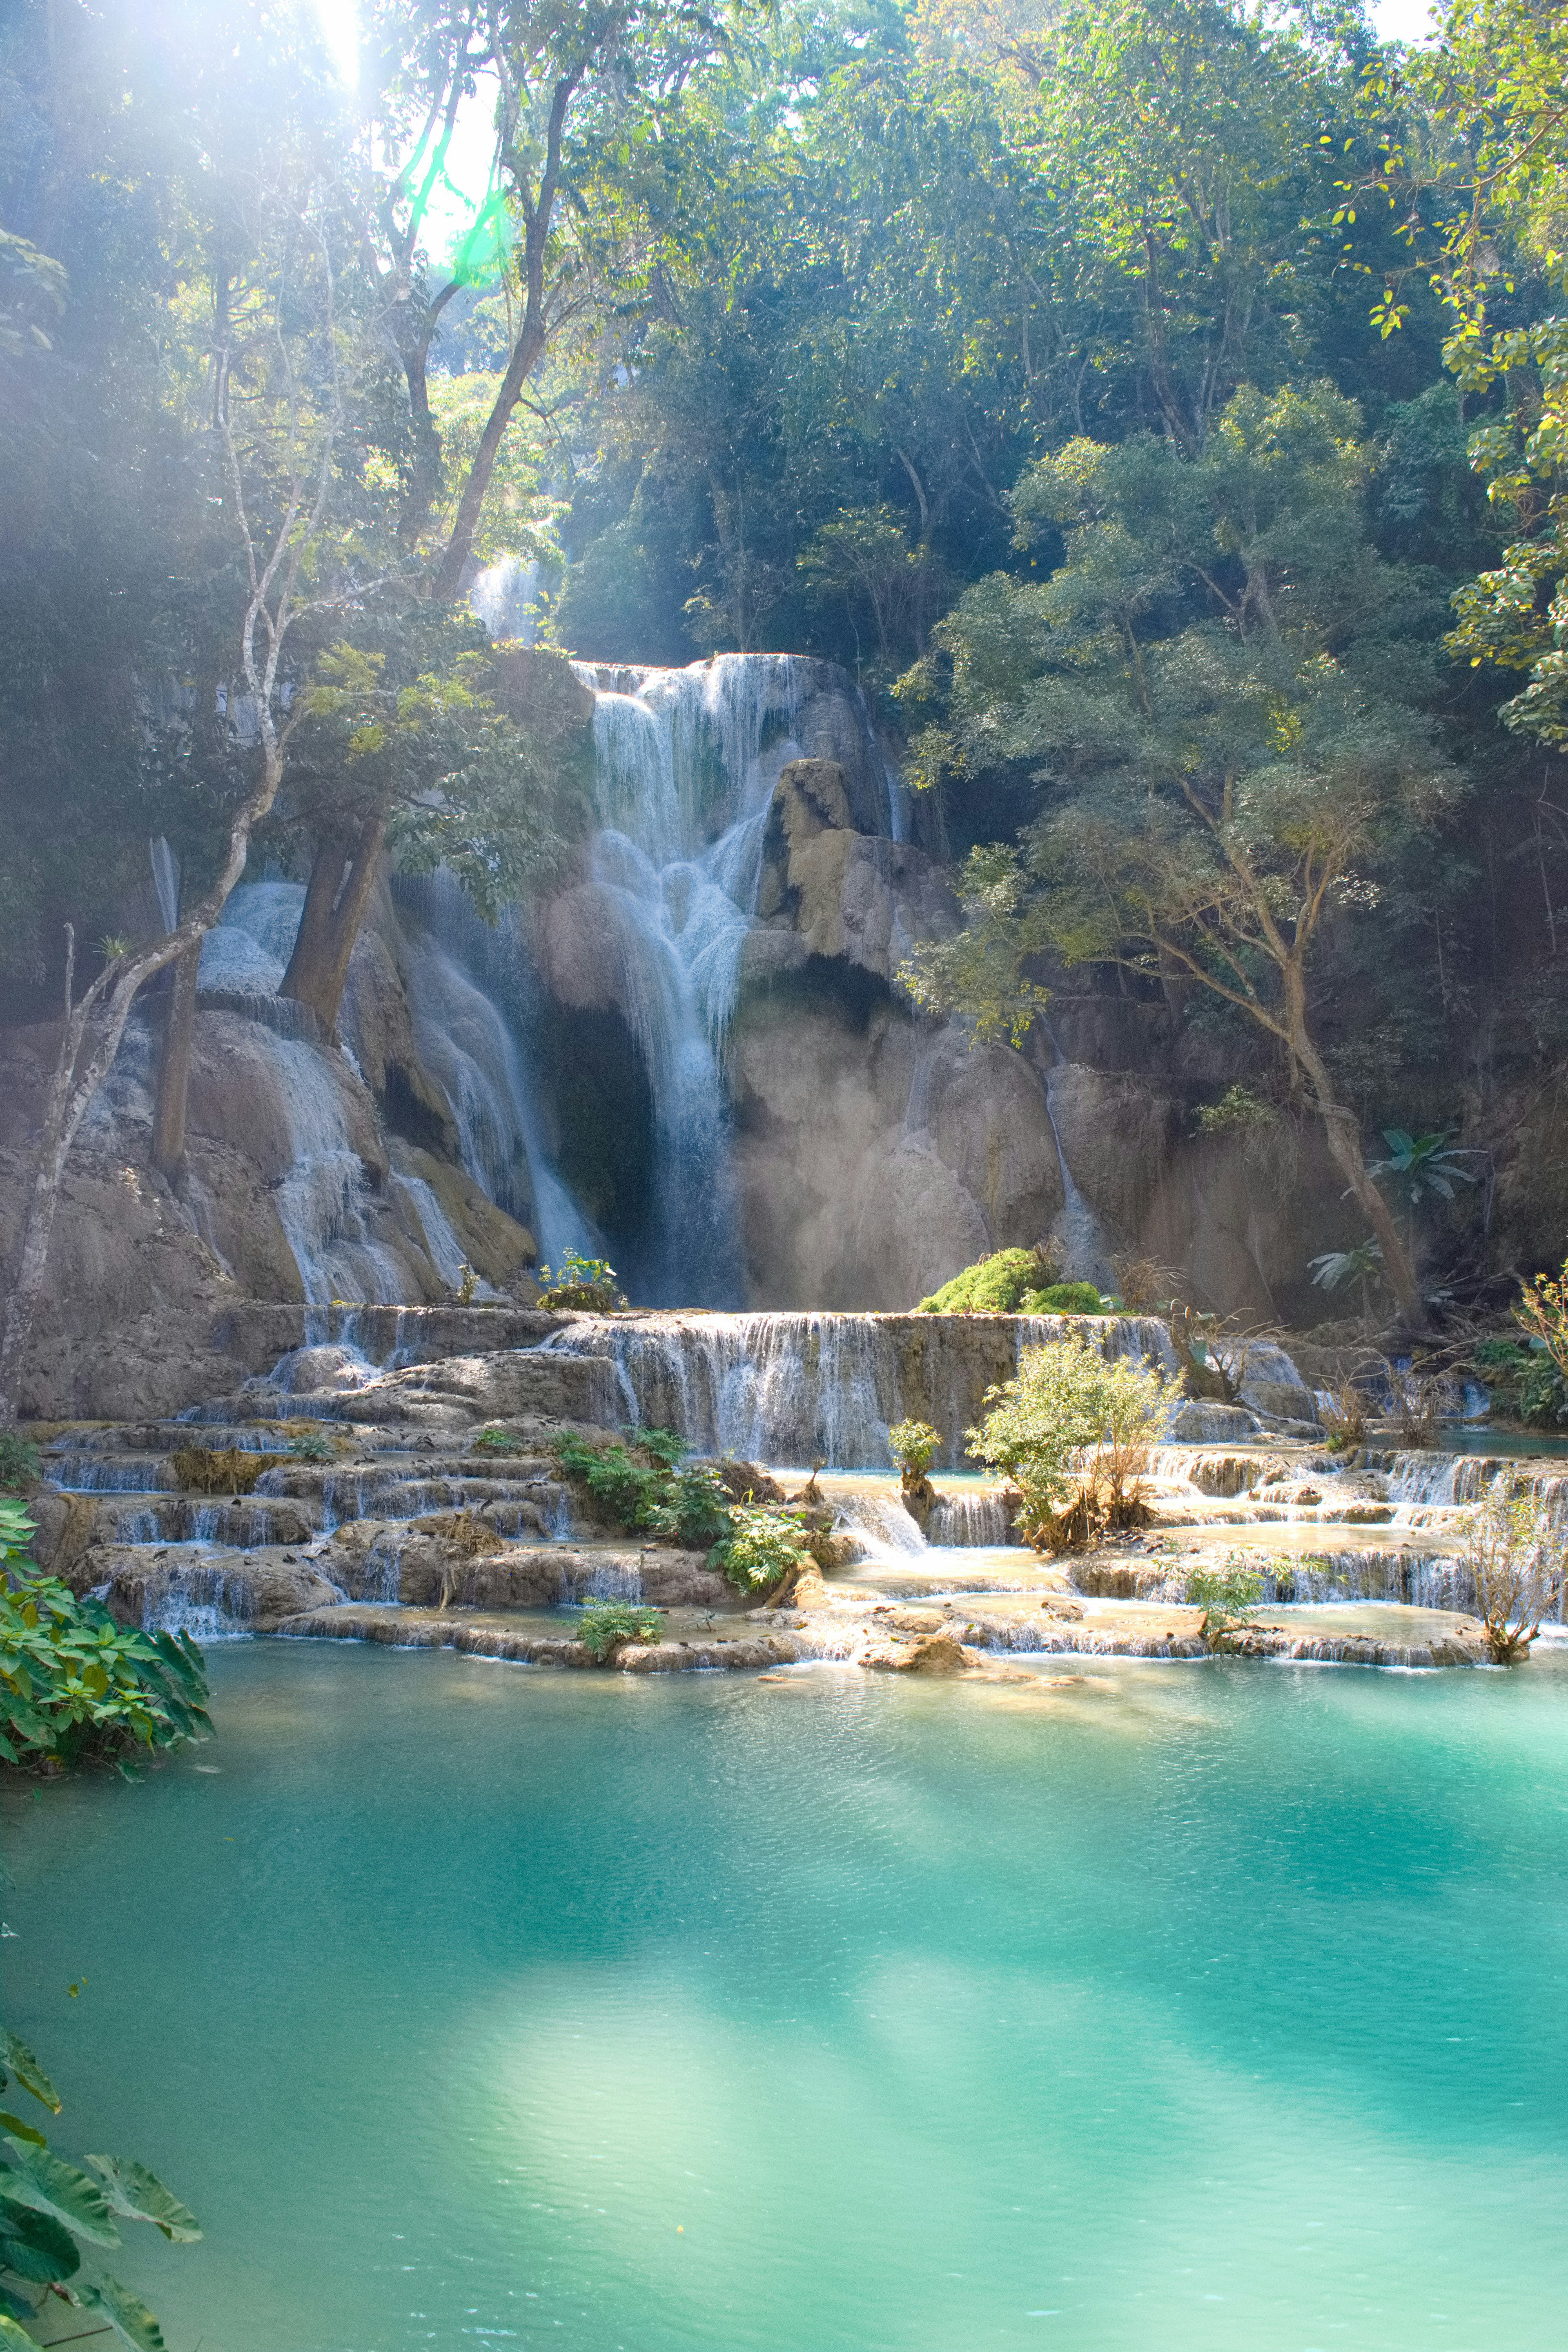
(251, 1592)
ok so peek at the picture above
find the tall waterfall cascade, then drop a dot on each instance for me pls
(686, 765)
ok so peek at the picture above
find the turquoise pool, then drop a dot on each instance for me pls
(1214, 2009)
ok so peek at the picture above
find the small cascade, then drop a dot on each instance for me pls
(585, 1579)
(322, 1201)
(110, 1473)
(978, 1518)
(1088, 1251)
(881, 1528)
(686, 765)
(203, 1602)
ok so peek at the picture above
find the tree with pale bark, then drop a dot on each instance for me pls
(1219, 696)
(279, 414)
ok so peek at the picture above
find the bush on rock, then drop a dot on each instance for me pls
(1074, 1432)
(995, 1285)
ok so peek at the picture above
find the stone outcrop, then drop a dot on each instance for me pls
(828, 890)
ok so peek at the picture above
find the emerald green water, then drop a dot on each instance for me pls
(1208, 2009)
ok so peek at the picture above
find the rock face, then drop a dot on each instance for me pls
(286, 1137)
(875, 1159)
(826, 889)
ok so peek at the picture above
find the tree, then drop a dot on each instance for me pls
(1474, 165)
(574, 80)
(1075, 1431)
(1217, 695)
(431, 761)
(279, 413)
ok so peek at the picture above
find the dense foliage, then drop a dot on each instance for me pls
(604, 1625)
(1157, 403)
(48, 2204)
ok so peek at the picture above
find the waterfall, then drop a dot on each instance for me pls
(804, 1388)
(686, 761)
(970, 1520)
(1087, 1248)
(461, 975)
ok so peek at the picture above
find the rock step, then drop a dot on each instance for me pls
(429, 1629)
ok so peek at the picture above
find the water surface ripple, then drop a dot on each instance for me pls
(1184, 2010)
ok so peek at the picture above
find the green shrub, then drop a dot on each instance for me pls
(696, 1509)
(995, 1285)
(18, 1461)
(1066, 1298)
(1524, 1380)
(48, 2204)
(764, 1547)
(1226, 1591)
(76, 1688)
(642, 1485)
(1074, 1432)
(315, 1445)
(496, 1440)
(912, 1444)
(585, 1283)
(605, 1625)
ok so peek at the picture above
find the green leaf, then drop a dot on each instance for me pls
(47, 2184)
(141, 2196)
(130, 2318)
(35, 2247)
(11, 2334)
(24, 2131)
(19, 2060)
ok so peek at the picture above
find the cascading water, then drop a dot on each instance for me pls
(322, 1200)
(469, 1047)
(1087, 1249)
(807, 1388)
(686, 765)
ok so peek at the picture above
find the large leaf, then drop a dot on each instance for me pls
(48, 2184)
(19, 2060)
(11, 2123)
(130, 2318)
(35, 2246)
(11, 2334)
(141, 2196)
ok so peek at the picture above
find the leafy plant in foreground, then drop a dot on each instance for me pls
(607, 1623)
(74, 1687)
(48, 2204)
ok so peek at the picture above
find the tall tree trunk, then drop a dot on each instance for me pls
(338, 891)
(1342, 1129)
(532, 336)
(174, 1068)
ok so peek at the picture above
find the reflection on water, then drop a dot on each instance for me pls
(1207, 2009)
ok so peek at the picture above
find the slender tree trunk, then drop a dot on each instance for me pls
(530, 347)
(174, 1068)
(338, 891)
(1343, 1130)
